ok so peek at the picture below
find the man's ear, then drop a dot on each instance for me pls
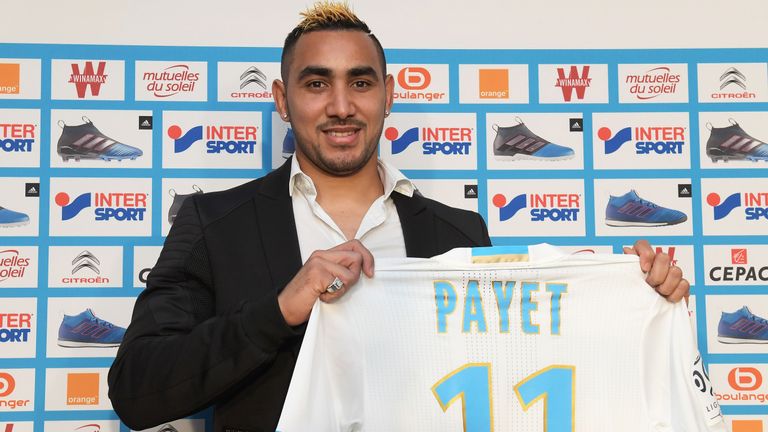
(281, 104)
(389, 88)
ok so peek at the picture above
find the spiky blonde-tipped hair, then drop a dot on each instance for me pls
(326, 15)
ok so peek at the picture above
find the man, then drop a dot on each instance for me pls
(222, 318)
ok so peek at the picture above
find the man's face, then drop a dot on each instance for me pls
(335, 97)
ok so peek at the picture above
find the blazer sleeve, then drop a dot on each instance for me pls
(178, 354)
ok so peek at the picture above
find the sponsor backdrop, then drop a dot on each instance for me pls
(100, 145)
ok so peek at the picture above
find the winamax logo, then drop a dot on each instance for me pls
(662, 140)
(736, 265)
(541, 207)
(577, 81)
(17, 389)
(660, 83)
(89, 76)
(171, 81)
(574, 84)
(420, 83)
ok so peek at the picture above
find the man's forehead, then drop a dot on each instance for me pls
(339, 51)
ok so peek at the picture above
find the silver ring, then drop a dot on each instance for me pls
(334, 286)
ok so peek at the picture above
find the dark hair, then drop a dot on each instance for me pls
(327, 16)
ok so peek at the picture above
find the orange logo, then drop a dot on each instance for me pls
(7, 384)
(83, 389)
(414, 78)
(747, 426)
(494, 84)
(10, 74)
(745, 378)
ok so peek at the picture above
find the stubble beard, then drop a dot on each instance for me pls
(339, 167)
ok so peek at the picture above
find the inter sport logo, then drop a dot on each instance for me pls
(434, 140)
(118, 206)
(647, 139)
(555, 207)
(17, 137)
(755, 205)
(218, 139)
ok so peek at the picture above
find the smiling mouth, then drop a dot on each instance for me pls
(342, 133)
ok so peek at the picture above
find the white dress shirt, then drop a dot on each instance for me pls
(379, 231)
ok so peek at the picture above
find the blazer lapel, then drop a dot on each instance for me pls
(274, 211)
(418, 229)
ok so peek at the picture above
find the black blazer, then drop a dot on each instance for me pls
(207, 330)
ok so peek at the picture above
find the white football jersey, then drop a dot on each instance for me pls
(559, 343)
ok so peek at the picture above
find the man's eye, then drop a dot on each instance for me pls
(315, 84)
(361, 84)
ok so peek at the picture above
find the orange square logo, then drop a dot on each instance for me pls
(83, 389)
(10, 74)
(747, 426)
(494, 84)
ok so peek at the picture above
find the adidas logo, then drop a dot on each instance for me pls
(470, 191)
(684, 191)
(145, 122)
(32, 189)
(576, 125)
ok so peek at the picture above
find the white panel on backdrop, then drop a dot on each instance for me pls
(247, 81)
(21, 196)
(455, 193)
(88, 79)
(76, 389)
(719, 308)
(18, 266)
(144, 258)
(181, 187)
(212, 139)
(19, 137)
(18, 328)
(101, 207)
(83, 426)
(171, 81)
(674, 194)
(733, 206)
(131, 128)
(19, 78)
(731, 139)
(641, 140)
(653, 83)
(430, 141)
(493, 83)
(573, 83)
(420, 83)
(524, 208)
(183, 425)
(85, 266)
(736, 265)
(563, 129)
(114, 310)
(740, 384)
(733, 82)
(17, 390)
(16, 426)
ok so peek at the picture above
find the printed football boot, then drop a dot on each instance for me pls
(86, 330)
(289, 144)
(178, 200)
(518, 142)
(742, 326)
(10, 218)
(732, 143)
(86, 142)
(631, 210)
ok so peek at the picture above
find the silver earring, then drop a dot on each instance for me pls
(386, 113)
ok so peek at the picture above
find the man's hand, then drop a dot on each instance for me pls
(665, 278)
(344, 261)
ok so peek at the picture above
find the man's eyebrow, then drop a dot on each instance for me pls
(363, 71)
(315, 70)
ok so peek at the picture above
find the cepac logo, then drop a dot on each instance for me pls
(170, 81)
(740, 270)
(421, 83)
(543, 206)
(82, 389)
(576, 80)
(13, 265)
(738, 256)
(755, 205)
(745, 379)
(87, 77)
(434, 140)
(17, 137)
(733, 85)
(653, 83)
(647, 139)
(117, 206)
(10, 77)
(15, 327)
(494, 83)
(218, 138)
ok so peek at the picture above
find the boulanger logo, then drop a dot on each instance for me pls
(82, 389)
(158, 80)
(17, 137)
(111, 206)
(12, 396)
(541, 207)
(88, 76)
(13, 265)
(646, 140)
(576, 81)
(218, 139)
(434, 140)
(421, 83)
(10, 78)
(740, 384)
(755, 205)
